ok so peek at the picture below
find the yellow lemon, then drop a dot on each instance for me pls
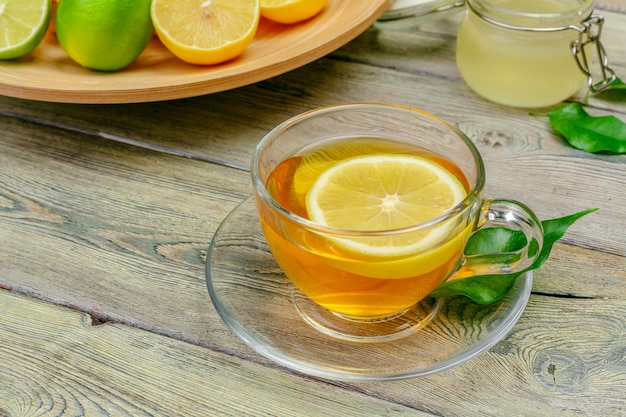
(23, 25)
(384, 192)
(291, 11)
(104, 35)
(206, 32)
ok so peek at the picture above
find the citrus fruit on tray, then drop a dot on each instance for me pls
(49, 74)
(23, 25)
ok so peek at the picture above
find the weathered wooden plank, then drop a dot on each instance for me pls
(49, 210)
(54, 363)
(61, 363)
(109, 228)
(564, 358)
(396, 66)
(568, 273)
(543, 167)
(47, 180)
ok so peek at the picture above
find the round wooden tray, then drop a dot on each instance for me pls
(48, 74)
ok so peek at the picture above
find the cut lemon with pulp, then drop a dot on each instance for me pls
(23, 25)
(206, 32)
(291, 11)
(385, 192)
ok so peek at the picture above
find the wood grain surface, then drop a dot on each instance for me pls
(107, 211)
(118, 370)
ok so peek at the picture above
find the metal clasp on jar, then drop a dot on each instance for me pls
(589, 34)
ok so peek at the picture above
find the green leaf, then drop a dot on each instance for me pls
(554, 230)
(589, 133)
(486, 289)
(483, 289)
(616, 88)
(495, 240)
(615, 85)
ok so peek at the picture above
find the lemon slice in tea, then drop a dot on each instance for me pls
(23, 25)
(206, 32)
(384, 192)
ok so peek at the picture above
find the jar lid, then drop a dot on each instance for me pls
(401, 9)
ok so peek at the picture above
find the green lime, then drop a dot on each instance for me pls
(23, 25)
(104, 35)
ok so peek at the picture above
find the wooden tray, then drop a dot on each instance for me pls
(48, 74)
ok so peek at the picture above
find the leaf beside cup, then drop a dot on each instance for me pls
(486, 289)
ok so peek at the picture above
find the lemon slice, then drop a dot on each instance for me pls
(206, 32)
(23, 25)
(291, 11)
(384, 192)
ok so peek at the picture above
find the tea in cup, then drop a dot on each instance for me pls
(367, 208)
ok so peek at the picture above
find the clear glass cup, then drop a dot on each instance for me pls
(353, 294)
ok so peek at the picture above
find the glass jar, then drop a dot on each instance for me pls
(526, 53)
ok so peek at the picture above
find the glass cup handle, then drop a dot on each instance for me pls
(514, 216)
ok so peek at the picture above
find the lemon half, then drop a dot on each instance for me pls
(291, 11)
(206, 32)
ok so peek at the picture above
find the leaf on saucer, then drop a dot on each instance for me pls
(486, 289)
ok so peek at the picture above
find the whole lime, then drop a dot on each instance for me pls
(104, 35)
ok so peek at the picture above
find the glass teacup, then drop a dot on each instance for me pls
(368, 282)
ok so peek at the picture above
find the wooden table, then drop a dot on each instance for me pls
(107, 211)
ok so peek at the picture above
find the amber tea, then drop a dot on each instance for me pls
(367, 275)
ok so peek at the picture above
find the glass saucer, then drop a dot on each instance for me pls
(255, 299)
